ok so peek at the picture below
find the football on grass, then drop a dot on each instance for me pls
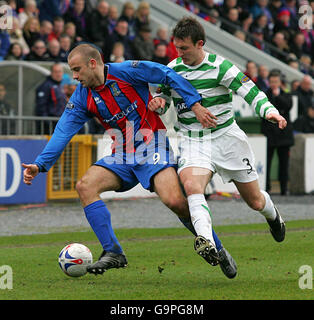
(74, 258)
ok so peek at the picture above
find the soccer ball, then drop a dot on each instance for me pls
(74, 258)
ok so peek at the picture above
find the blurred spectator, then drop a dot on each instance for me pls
(262, 78)
(305, 123)
(278, 139)
(297, 44)
(128, 14)
(258, 39)
(251, 70)
(261, 23)
(16, 36)
(70, 30)
(274, 7)
(57, 28)
(78, 16)
(162, 36)
(50, 98)
(97, 28)
(143, 45)
(30, 11)
(31, 31)
(233, 18)
(69, 88)
(260, 7)
(280, 42)
(240, 35)
(12, 4)
(294, 85)
(46, 28)
(304, 94)
(4, 43)
(305, 64)
(226, 6)
(120, 34)
(113, 16)
(294, 17)
(210, 5)
(117, 54)
(142, 15)
(283, 24)
(38, 52)
(6, 127)
(65, 47)
(160, 54)
(246, 20)
(15, 52)
(54, 50)
(49, 9)
(294, 63)
(214, 17)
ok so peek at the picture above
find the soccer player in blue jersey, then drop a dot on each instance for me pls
(118, 95)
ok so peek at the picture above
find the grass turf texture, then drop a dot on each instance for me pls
(163, 265)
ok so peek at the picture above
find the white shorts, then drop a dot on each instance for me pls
(229, 155)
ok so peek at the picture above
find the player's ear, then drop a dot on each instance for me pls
(199, 43)
(92, 63)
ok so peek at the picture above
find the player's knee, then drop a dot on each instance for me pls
(191, 187)
(176, 204)
(83, 189)
(257, 204)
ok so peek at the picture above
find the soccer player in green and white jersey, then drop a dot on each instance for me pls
(211, 141)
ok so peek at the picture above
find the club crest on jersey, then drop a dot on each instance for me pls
(135, 63)
(115, 89)
(244, 79)
(69, 105)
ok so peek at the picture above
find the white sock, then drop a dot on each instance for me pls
(269, 211)
(200, 216)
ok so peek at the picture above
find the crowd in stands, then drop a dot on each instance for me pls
(274, 24)
(46, 30)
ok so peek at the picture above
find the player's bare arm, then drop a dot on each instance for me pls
(29, 173)
(275, 117)
(204, 116)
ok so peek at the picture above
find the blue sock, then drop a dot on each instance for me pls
(188, 224)
(99, 219)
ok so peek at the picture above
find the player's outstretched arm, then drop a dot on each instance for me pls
(204, 116)
(29, 173)
(277, 118)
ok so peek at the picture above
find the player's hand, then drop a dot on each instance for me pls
(277, 118)
(157, 104)
(30, 172)
(204, 116)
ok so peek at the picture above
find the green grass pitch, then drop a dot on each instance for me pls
(164, 266)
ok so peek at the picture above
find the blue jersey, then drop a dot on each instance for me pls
(121, 100)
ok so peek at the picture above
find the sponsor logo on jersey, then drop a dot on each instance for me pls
(181, 107)
(122, 114)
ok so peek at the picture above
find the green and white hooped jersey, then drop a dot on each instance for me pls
(214, 78)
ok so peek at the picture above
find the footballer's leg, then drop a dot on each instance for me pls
(260, 200)
(167, 186)
(97, 180)
(194, 181)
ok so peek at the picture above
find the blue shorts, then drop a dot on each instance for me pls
(141, 166)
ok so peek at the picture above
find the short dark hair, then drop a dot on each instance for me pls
(189, 27)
